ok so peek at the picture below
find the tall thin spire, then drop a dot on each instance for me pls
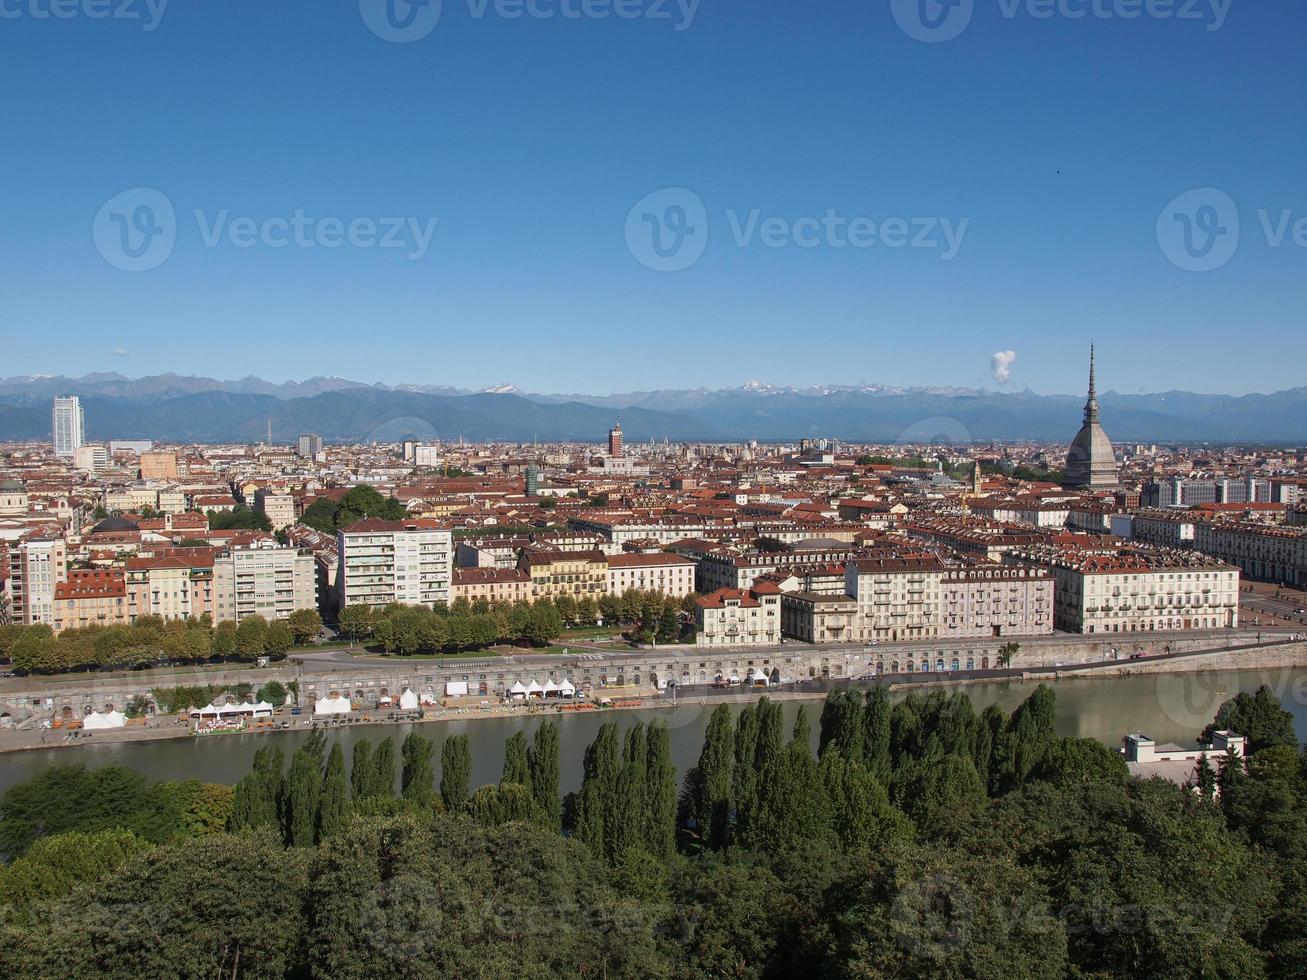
(1091, 405)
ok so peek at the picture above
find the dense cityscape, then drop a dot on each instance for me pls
(653, 490)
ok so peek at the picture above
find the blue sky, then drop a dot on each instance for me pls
(1054, 143)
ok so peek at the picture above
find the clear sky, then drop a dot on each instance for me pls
(1052, 146)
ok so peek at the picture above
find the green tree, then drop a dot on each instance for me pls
(382, 781)
(455, 772)
(224, 640)
(544, 768)
(1259, 717)
(53, 866)
(251, 637)
(516, 768)
(333, 805)
(356, 621)
(278, 638)
(303, 792)
(258, 795)
(274, 692)
(596, 803)
(360, 770)
(305, 624)
(417, 780)
(659, 793)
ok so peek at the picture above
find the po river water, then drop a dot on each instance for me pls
(1168, 707)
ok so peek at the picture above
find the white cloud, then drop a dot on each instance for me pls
(1000, 365)
(120, 352)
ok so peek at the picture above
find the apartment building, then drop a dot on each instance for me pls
(158, 466)
(494, 585)
(36, 567)
(1265, 552)
(728, 568)
(996, 600)
(671, 575)
(90, 597)
(1138, 590)
(68, 423)
(816, 617)
(278, 507)
(738, 617)
(408, 561)
(574, 573)
(269, 582)
(176, 583)
(898, 598)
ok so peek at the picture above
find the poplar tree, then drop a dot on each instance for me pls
(299, 819)
(744, 776)
(542, 761)
(455, 772)
(382, 782)
(257, 798)
(660, 792)
(876, 714)
(802, 731)
(712, 806)
(516, 768)
(417, 779)
(333, 806)
(360, 773)
(599, 777)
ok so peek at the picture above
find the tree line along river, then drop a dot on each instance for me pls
(1169, 707)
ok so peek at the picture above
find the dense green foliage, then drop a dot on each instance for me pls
(361, 501)
(148, 642)
(921, 839)
(239, 518)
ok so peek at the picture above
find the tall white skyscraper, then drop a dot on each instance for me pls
(69, 425)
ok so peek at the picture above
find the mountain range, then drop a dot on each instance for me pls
(184, 408)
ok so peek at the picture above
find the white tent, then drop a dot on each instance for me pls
(332, 705)
(455, 689)
(107, 719)
(518, 690)
(534, 690)
(408, 701)
(550, 689)
(263, 708)
(567, 689)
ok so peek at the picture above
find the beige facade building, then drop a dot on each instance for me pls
(898, 598)
(158, 466)
(408, 561)
(494, 585)
(815, 617)
(574, 573)
(671, 575)
(279, 508)
(90, 597)
(177, 584)
(1139, 590)
(996, 600)
(1261, 551)
(36, 567)
(738, 617)
(269, 582)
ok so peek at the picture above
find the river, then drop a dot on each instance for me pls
(1169, 707)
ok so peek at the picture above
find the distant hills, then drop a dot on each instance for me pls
(173, 407)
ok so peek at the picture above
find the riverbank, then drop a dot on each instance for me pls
(1275, 656)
